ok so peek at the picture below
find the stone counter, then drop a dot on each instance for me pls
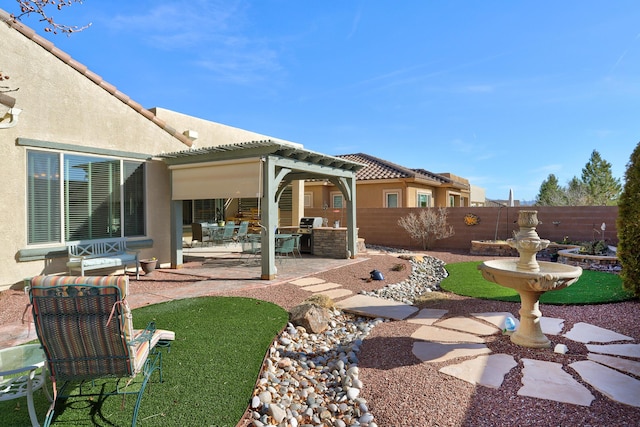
(330, 242)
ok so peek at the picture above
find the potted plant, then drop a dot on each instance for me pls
(148, 265)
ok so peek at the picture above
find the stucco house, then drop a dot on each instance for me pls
(81, 161)
(381, 183)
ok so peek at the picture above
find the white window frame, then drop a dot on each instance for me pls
(429, 196)
(308, 199)
(387, 193)
(334, 195)
(61, 232)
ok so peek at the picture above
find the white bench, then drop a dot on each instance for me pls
(101, 253)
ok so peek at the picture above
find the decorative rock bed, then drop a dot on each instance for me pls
(492, 248)
(573, 256)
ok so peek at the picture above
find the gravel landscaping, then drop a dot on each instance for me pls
(399, 389)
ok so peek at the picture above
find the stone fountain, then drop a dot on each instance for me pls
(529, 278)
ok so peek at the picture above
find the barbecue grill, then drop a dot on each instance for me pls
(305, 229)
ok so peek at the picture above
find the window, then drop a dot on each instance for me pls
(74, 197)
(336, 200)
(308, 200)
(423, 200)
(391, 199)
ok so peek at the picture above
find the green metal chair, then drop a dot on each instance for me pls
(285, 246)
(242, 231)
(84, 325)
(226, 236)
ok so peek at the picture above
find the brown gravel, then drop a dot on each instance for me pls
(402, 391)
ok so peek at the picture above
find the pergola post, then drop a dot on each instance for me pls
(269, 218)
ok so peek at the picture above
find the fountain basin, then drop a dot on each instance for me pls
(530, 285)
(551, 276)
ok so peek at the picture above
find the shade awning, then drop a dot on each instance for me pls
(219, 180)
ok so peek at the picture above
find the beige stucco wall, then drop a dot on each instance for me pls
(211, 133)
(60, 105)
(370, 194)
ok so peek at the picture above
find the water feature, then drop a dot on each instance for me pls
(530, 278)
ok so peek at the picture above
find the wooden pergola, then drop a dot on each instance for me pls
(261, 169)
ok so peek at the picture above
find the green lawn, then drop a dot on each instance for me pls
(209, 374)
(593, 287)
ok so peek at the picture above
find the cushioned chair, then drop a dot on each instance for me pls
(85, 327)
(199, 235)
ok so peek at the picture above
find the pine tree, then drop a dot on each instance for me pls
(550, 194)
(602, 188)
(628, 225)
(576, 193)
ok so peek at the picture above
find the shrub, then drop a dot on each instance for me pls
(427, 227)
(629, 225)
(597, 247)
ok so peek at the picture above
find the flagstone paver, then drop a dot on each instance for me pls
(321, 287)
(427, 316)
(630, 350)
(609, 382)
(485, 370)
(496, 318)
(586, 333)
(335, 293)
(547, 380)
(306, 281)
(376, 307)
(432, 333)
(466, 324)
(624, 365)
(551, 325)
(433, 352)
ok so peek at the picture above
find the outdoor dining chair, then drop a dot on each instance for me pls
(242, 231)
(285, 246)
(85, 327)
(226, 236)
(199, 234)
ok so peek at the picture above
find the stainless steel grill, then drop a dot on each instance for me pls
(305, 229)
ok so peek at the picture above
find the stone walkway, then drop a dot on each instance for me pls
(437, 340)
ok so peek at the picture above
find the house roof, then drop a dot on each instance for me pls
(376, 168)
(99, 81)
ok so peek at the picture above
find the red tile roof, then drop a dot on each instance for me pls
(377, 168)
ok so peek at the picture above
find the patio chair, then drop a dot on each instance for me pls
(285, 247)
(199, 234)
(227, 234)
(85, 327)
(296, 245)
(242, 231)
(251, 247)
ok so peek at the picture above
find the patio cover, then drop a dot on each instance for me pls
(260, 169)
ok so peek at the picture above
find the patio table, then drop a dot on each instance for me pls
(19, 375)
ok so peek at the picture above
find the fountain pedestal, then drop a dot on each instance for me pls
(529, 278)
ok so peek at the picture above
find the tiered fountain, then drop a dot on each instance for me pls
(529, 278)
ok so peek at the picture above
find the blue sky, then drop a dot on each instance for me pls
(502, 93)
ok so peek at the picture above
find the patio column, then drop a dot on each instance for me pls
(352, 231)
(176, 234)
(269, 218)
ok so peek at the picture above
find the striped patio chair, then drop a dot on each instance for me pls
(85, 327)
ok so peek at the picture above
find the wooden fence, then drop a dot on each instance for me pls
(379, 226)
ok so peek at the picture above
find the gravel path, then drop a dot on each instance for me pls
(402, 391)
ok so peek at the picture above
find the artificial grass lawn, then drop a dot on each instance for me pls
(593, 287)
(209, 374)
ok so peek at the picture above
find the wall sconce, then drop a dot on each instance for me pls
(12, 114)
(556, 223)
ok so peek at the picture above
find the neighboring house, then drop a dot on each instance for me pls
(82, 161)
(382, 183)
